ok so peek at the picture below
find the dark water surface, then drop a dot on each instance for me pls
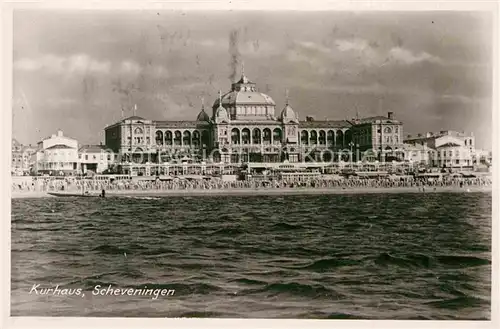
(386, 256)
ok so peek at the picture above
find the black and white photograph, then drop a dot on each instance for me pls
(252, 164)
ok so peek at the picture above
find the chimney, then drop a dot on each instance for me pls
(420, 135)
(59, 133)
(390, 115)
(408, 136)
(309, 118)
(429, 134)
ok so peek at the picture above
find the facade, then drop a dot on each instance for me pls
(94, 158)
(379, 135)
(57, 155)
(447, 149)
(419, 154)
(22, 158)
(244, 127)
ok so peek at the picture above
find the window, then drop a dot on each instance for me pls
(86, 156)
(387, 130)
(457, 161)
(79, 156)
(102, 157)
(109, 157)
(94, 157)
(450, 153)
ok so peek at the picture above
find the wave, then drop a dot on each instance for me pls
(459, 302)
(408, 260)
(462, 261)
(108, 249)
(65, 252)
(249, 281)
(294, 288)
(89, 284)
(327, 264)
(286, 226)
(425, 261)
(228, 231)
(326, 315)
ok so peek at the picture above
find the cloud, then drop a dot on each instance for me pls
(130, 67)
(62, 101)
(405, 56)
(355, 44)
(75, 64)
(250, 48)
(448, 98)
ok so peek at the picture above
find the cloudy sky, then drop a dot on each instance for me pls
(75, 70)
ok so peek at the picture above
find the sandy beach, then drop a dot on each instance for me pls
(267, 191)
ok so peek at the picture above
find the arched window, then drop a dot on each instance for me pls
(277, 136)
(235, 136)
(196, 138)
(314, 137)
(256, 136)
(322, 137)
(177, 138)
(340, 139)
(267, 135)
(331, 137)
(168, 138)
(138, 130)
(186, 137)
(245, 136)
(159, 137)
(347, 137)
(304, 137)
(387, 130)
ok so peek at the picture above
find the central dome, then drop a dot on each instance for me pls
(244, 102)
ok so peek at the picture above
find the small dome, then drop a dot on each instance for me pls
(202, 116)
(288, 113)
(221, 114)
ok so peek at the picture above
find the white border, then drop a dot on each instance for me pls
(309, 5)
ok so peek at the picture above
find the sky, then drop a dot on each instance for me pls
(76, 70)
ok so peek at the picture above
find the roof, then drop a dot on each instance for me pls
(59, 147)
(415, 147)
(203, 116)
(376, 118)
(245, 97)
(92, 148)
(324, 124)
(133, 117)
(449, 144)
(179, 124)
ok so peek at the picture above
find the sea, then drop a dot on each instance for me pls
(349, 256)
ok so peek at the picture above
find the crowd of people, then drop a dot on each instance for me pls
(73, 184)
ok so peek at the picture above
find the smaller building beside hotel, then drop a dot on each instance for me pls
(57, 155)
(22, 158)
(445, 149)
(94, 158)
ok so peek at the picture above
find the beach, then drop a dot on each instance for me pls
(268, 191)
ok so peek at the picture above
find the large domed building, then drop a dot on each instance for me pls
(245, 127)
